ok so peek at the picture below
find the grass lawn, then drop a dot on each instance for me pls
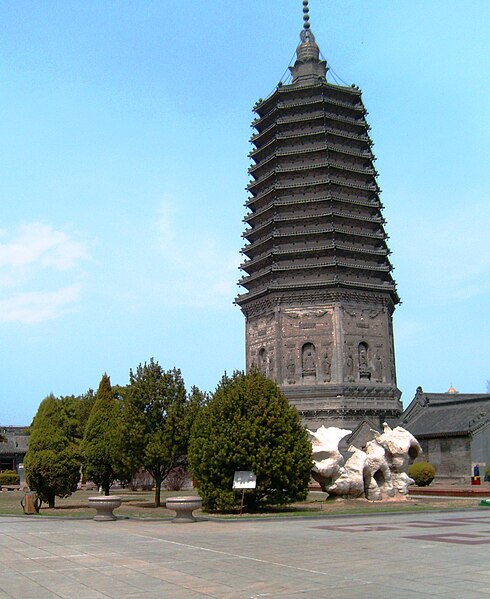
(135, 504)
(139, 504)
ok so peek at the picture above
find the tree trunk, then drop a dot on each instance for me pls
(158, 483)
(107, 487)
(51, 501)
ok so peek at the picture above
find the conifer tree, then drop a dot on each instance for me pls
(77, 409)
(101, 462)
(248, 424)
(157, 416)
(52, 462)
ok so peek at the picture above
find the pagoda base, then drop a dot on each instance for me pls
(345, 406)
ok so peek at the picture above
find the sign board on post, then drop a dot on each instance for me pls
(244, 479)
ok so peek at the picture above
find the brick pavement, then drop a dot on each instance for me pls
(350, 557)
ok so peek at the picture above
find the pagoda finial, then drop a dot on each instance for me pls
(306, 34)
(306, 15)
(308, 66)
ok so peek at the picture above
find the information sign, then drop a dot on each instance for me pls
(244, 479)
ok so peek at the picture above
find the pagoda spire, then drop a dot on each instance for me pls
(308, 67)
(306, 15)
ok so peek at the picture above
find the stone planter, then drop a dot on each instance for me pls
(104, 504)
(184, 506)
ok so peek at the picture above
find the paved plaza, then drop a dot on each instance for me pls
(395, 556)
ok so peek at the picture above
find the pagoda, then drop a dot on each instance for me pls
(319, 294)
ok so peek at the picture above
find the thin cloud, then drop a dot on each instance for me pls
(38, 306)
(39, 273)
(452, 258)
(39, 244)
(198, 269)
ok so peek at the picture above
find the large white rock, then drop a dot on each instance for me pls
(377, 475)
(400, 446)
(327, 458)
(379, 472)
(350, 482)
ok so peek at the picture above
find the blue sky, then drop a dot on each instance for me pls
(123, 164)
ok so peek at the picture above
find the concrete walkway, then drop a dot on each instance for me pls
(397, 556)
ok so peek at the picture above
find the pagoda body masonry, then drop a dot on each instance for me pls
(319, 293)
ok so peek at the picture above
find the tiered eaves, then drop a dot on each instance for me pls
(315, 216)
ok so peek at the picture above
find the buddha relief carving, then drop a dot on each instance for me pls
(326, 367)
(291, 370)
(349, 367)
(364, 370)
(308, 360)
(262, 361)
(378, 367)
(270, 366)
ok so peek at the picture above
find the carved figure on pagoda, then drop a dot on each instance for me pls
(309, 361)
(291, 370)
(326, 366)
(349, 368)
(262, 361)
(364, 371)
(378, 367)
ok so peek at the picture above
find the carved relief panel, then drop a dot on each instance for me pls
(367, 345)
(260, 344)
(307, 338)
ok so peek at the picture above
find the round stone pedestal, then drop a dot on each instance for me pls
(184, 506)
(104, 504)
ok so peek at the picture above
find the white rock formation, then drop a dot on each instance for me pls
(400, 446)
(327, 458)
(377, 473)
(350, 482)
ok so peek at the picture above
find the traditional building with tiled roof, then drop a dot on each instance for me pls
(452, 428)
(14, 448)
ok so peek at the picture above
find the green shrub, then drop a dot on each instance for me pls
(249, 425)
(9, 477)
(487, 472)
(423, 473)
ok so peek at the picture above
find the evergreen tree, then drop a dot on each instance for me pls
(157, 417)
(77, 409)
(101, 462)
(52, 462)
(249, 425)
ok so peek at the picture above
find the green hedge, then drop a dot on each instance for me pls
(487, 472)
(9, 477)
(423, 473)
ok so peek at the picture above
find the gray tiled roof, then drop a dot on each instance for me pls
(16, 440)
(435, 414)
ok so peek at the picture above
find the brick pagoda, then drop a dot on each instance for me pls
(319, 292)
